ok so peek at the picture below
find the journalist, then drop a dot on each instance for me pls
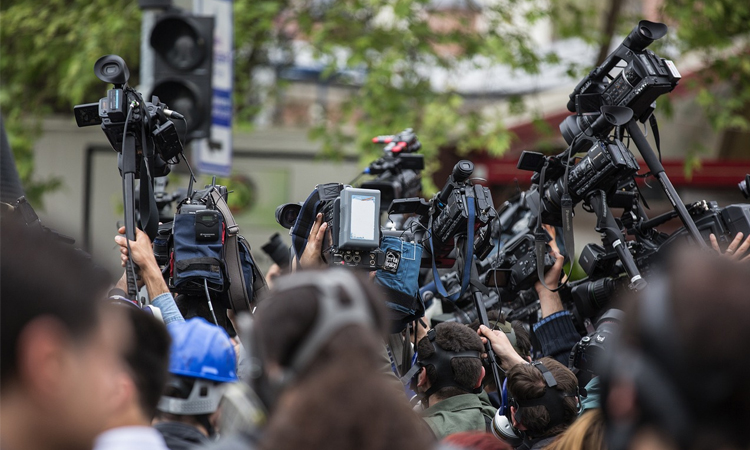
(201, 361)
(679, 379)
(450, 379)
(61, 344)
(140, 385)
(542, 396)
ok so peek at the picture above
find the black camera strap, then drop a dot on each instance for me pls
(540, 235)
(468, 252)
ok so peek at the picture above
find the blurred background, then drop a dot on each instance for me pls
(283, 95)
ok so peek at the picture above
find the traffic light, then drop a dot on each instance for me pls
(183, 59)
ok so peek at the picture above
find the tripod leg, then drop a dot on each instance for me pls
(654, 165)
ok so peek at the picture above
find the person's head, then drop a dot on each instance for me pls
(61, 347)
(146, 363)
(312, 318)
(202, 359)
(529, 384)
(320, 338)
(586, 433)
(465, 373)
(679, 378)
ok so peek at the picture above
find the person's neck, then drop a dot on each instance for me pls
(130, 416)
(19, 425)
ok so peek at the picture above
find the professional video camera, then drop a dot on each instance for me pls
(461, 208)
(645, 77)
(353, 217)
(144, 137)
(123, 114)
(587, 355)
(398, 172)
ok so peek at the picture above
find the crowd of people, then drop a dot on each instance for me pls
(84, 367)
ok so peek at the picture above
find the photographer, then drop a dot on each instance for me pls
(679, 379)
(543, 395)
(61, 345)
(450, 380)
(202, 358)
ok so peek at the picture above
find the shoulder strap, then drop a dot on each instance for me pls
(237, 289)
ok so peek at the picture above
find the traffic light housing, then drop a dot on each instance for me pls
(183, 61)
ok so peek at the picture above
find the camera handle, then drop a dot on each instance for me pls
(476, 293)
(655, 167)
(128, 193)
(612, 236)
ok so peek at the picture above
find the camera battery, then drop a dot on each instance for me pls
(207, 225)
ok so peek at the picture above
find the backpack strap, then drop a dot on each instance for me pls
(237, 289)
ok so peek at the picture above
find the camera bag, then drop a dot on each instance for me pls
(224, 266)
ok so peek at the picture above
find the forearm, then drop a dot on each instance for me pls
(154, 281)
(550, 302)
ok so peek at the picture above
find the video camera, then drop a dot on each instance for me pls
(353, 218)
(123, 113)
(607, 161)
(398, 172)
(645, 77)
(144, 138)
(448, 215)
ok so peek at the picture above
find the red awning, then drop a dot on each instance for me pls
(712, 173)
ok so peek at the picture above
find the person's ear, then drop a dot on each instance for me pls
(481, 377)
(422, 380)
(43, 355)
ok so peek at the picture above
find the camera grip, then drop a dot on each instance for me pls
(130, 273)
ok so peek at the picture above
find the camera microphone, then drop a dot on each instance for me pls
(169, 113)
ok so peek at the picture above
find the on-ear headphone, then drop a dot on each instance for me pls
(332, 316)
(552, 400)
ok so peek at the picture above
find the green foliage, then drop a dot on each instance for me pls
(395, 43)
(48, 51)
(719, 30)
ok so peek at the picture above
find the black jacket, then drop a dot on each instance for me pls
(180, 436)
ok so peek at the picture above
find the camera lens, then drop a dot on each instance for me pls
(592, 296)
(286, 214)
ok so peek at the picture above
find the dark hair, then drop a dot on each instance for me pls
(147, 358)
(526, 382)
(344, 400)
(454, 337)
(43, 277)
(523, 338)
(699, 349)
(285, 320)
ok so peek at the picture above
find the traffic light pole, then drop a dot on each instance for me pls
(147, 52)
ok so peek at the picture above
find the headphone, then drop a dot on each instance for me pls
(332, 316)
(119, 298)
(552, 400)
(441, 359)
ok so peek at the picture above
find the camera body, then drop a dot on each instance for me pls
(144, 120)
(606, 163)
(353, 216)
(398, 172)
(588, 354)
